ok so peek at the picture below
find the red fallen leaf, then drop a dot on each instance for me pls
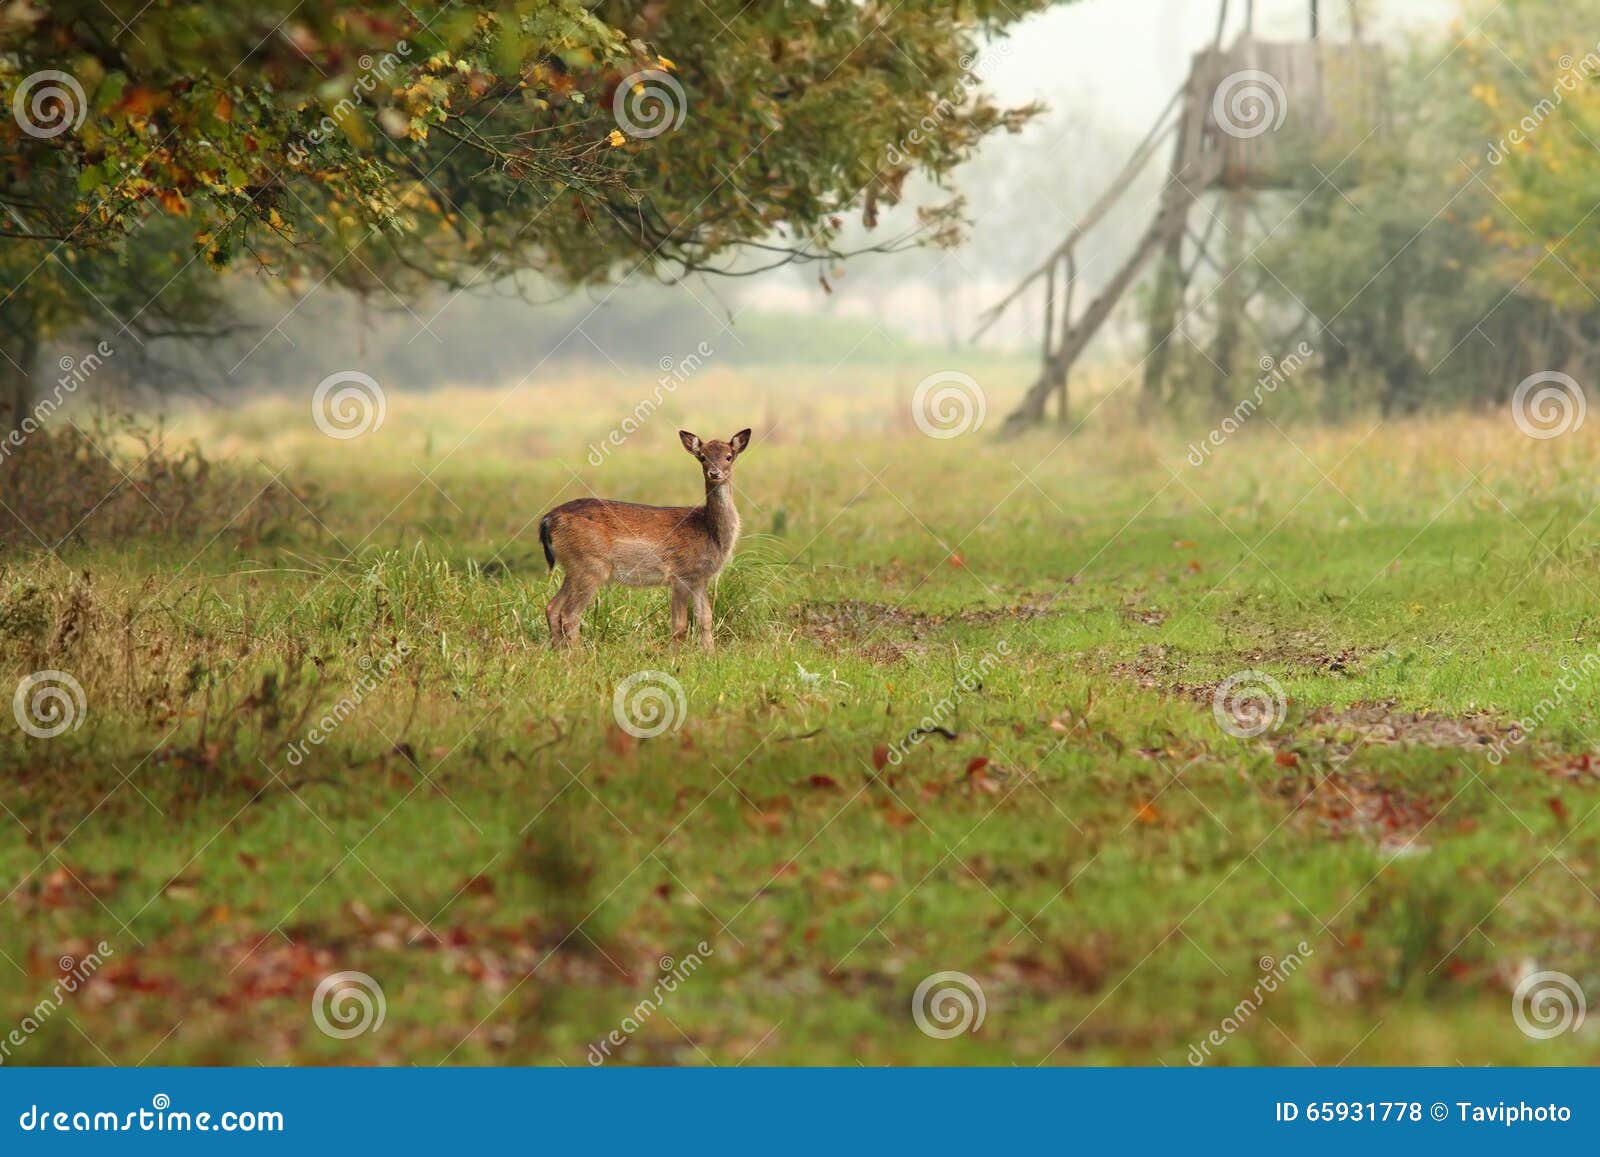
(787, 868)
(140, 102)
(1557, 808)
(956, 560)
(1467, 826)
(664, 890)
(249, 861)
(895, 817)
(1286, 759)
(880, 757)
(1183, 544)
(479, 885)
(1194, 566)
(977, 779)
(1146, 813)
(823, 783)
(1459, 969)
(769, 822)
(620, 742)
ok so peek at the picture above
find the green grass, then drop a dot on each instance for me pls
(510, 867)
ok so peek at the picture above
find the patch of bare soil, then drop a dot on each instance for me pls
(1382, 723)
(1355, 803)
(1159, 667)
(1581, 767)
(892, 631)
(1337, 730)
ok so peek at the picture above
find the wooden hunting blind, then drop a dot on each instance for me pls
(1255, 116)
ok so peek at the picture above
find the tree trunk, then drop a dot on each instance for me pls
(1231, 301)
(19, 351)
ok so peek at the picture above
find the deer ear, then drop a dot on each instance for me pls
(691, 442)
(739, 441)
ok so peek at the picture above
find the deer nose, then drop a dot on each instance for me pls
(716, 475)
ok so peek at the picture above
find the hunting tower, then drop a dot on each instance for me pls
(1255, 116)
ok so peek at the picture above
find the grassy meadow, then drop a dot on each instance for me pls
(961, 719)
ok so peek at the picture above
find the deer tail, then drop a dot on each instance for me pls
(544, 541)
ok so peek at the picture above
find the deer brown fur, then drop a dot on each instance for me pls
(598, 541)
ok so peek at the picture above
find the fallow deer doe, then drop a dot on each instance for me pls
(598, 541)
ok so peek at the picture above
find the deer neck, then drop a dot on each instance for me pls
(724, 519)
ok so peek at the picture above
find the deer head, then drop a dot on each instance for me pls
(716, 458)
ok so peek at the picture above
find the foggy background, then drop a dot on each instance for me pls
(1104, 69)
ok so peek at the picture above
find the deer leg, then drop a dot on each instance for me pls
(572, 608)
(553, 609)
(680, 612)
(702, 615)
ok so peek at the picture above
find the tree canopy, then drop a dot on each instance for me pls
(387, 146)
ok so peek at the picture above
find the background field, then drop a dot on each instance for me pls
(482, 839)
